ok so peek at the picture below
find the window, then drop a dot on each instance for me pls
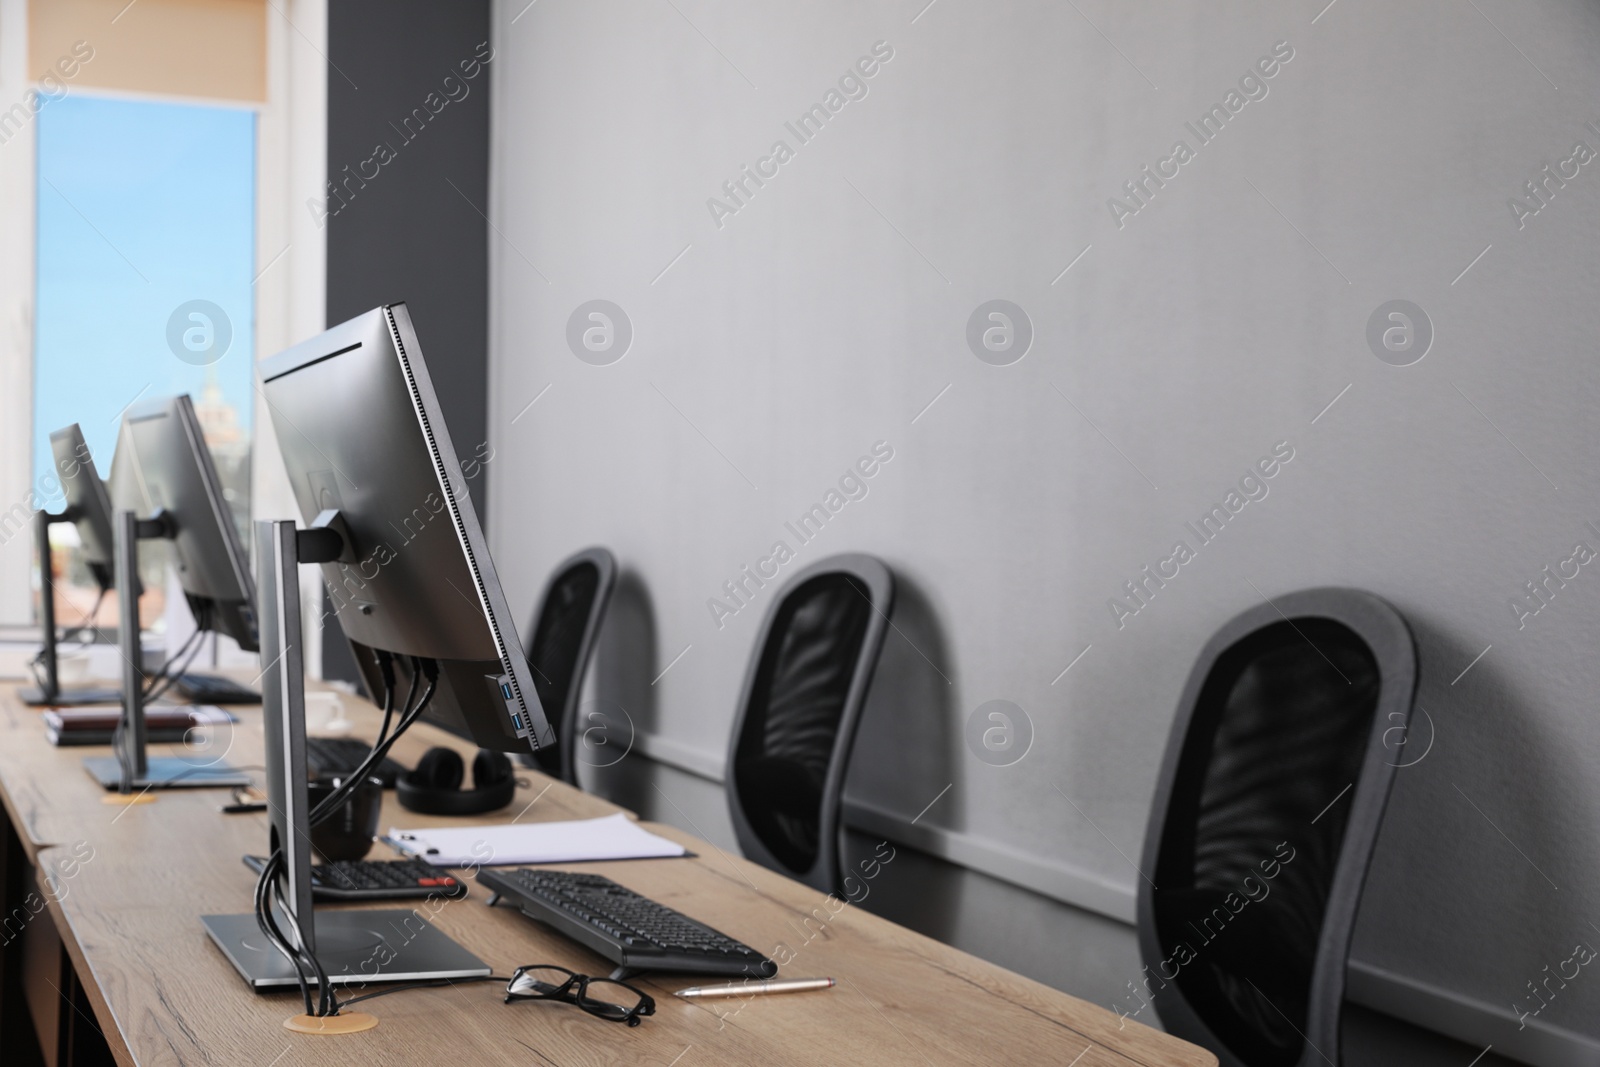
(145, 254)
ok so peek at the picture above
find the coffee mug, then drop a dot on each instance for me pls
(348, 832)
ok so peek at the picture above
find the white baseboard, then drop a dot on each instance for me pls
(682, 756)
(1072, 885)
(1468, 1020)
(1081, 888)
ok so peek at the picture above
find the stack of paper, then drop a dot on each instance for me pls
(612, 837)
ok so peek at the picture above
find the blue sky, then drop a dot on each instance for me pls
(141, 207)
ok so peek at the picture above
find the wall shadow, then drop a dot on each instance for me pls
(1462, 775)
(907, 751)
(622, 697)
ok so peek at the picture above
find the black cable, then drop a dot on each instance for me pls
(151, 680)
(386, 670)
(159, 682)
(379, 749)
(37, 663)
(119, 733)
(267, 884)
(328, 1001)
(87, 624)
(161, 672)
(268, 922)
(269, 925)
(169, 677)
(430, 671)
(327, 1005)
(124, 758)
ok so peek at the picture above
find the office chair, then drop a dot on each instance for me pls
(1264, 821)
(561, 640)
(797, 715)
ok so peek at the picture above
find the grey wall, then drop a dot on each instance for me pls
(408, 169)
(1224, 317)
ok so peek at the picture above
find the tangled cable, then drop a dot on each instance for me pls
(269, 890)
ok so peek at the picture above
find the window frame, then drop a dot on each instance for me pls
(291, 153)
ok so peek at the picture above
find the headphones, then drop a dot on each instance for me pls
(434, 787)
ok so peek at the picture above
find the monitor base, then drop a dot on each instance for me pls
(354, 947)
(167, 772)
(35, 697)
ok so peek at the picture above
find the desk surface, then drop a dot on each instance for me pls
(130, 883)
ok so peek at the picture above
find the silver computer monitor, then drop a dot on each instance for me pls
(171, 471)
(88, 509)
(164, 485)
(363, 437)
(88, 503)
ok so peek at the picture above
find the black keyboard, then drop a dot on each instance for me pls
(630, 930)
(210, 689)
(335, 757)
(377, 879)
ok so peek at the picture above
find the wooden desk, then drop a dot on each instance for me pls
(130, 883)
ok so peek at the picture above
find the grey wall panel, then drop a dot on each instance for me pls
(1227, 316)
(408, 170)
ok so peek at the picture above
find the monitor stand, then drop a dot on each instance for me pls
(131, 768)
(50, 694)
(165, 772)
(353, 946)
(36, 697)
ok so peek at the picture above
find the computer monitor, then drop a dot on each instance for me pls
(88, 503)
(363, 438)
(88, 508)
(174, 473)
(389, 521)
(177, 496)
(286, 942)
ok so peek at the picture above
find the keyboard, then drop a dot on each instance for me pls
(210, 689)
(335, 757)
(630, 930)
(377, 879)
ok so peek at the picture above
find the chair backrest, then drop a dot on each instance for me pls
(1264, 821)
(796, 720)
(561, 639)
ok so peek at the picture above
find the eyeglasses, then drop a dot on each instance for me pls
(613, 1001)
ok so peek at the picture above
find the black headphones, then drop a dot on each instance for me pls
(434, 787)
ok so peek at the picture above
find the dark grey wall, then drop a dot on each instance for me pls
(408, 170)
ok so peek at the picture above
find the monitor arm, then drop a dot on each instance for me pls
(326, 541)
(49, 657)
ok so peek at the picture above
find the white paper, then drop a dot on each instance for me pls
(611, 837)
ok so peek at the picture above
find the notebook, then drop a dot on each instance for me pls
(97, 724)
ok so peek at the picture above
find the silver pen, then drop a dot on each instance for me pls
(739, 989)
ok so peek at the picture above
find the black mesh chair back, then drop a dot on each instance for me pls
(803, 693)
(560, 642)
(1264, 821)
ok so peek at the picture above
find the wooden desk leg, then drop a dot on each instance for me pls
(17, 1035)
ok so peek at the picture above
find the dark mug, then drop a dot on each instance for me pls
(348, 832)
